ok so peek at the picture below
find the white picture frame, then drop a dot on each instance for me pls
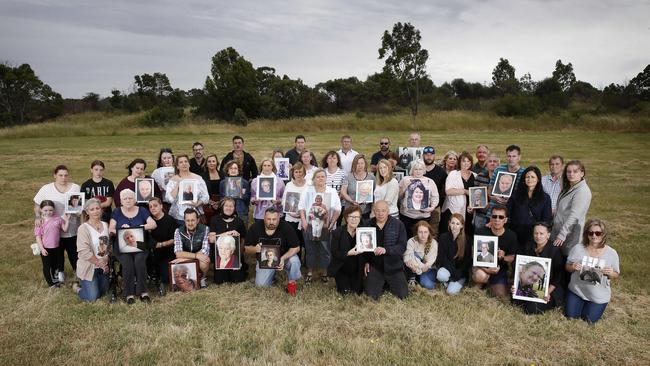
(365, 191)
(500, 183)
(188, 191)
(532, 277)
(366, 239)
(130, 239)
(282, 168)
(74, 202)
(488, 260)
(265, 190)
(478, 197)
(144, 189)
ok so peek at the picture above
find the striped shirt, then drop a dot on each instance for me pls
(552, 188)
(336, 180)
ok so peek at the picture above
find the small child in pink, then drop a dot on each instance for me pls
(47, 235)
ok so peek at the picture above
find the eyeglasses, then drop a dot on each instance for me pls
(499, 217)
(354, 217)
(384, 143)
(596, 233)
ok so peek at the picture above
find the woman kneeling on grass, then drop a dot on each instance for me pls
(93, 250)
(454, 256)
(592, 265)
(420, 256)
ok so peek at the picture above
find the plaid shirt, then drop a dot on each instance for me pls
(552, 188)
(180, 236)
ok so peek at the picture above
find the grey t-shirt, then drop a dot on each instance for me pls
(592, 287)
(352, 190)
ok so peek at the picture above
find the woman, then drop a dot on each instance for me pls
(387, 187)
(92, 266)
(312, 202)
(243, 193)
(530, 205)
(308, 160)
(164, 171)
(541, 246)
(418, 196)
(56, 192)
(450, 161)
(358, 172)
(572, 206)
(454, 256)
(293, 191)
(162, 240)
(136, 170)
(226, 258)
(335, 175)
(227, 223)
(182, 172)
(592, 265)
(457, 191)
(420, 256)
(212, 181)
(99, 187)
(346, 264)
(134, 265)
(267, 170)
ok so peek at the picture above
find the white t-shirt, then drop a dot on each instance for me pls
(292, 188)
(162, 176)
(49, 192)
(346, 159)
(332, 201)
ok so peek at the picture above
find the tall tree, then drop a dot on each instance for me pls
(564, 75)
(405, 60)
(503, 78)
(640, 84)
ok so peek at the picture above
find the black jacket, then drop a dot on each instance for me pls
(341, 243)
(248, 170)
(447, 248)
(395, 244)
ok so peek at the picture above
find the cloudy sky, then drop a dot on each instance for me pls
(79, 46)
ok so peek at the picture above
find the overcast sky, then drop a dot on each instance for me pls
(88, 45)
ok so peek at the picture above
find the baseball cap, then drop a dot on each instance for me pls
(429, 150)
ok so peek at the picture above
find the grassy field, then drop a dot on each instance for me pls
(244, 325)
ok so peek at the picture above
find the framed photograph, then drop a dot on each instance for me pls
(167, 173)
(143, 189)
(504, 184)
(532, 276)
(188, 191)
(407, 155)
(366, 239)
(74, 202)
(485, 251)
(365, 191)
(184, 276)
(399, 175)
(318, 215)
(291, 201)
(265, 188)
(131, 239)
(270, 254)
(233, 187)
(592, 270)
(417, 195)
(282, 168)
(478, 197)
(227, 253)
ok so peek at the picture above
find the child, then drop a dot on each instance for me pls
(47, 237)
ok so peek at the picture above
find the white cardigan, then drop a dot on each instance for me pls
(455, 204)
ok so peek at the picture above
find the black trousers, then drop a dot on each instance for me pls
(347, 283)
(231, 276)
(376, 280)
(51, 264)
(134, 268)
(534, 308)
(70, 246)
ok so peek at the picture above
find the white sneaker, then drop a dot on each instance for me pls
(204, 282)
(61, 276)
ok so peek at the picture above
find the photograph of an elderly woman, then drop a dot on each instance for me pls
(184, 276)
(227, 253)
(131, 240)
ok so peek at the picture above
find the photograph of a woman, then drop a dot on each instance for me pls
(366, 238)
(227, 253)
(531, 281)
(131, 240)
(184, 276)
(74, 203)
(417, 195)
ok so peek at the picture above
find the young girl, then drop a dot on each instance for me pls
(47, 236)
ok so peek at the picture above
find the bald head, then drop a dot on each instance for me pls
(380, 209)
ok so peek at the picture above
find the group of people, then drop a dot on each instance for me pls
(419, 208)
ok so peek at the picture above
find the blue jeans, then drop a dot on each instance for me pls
(453, 287)
(428, 279)
(95, 288)
(577, 308)
(264, 277)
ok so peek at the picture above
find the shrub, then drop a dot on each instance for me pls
(162, 115)
(240, 117)
(517, 105)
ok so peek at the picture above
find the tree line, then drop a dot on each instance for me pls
(236, 91)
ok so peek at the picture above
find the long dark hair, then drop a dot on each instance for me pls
(522, 188)
(164, 150)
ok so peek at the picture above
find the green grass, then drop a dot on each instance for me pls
(227, 324)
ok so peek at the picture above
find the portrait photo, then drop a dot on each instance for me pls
(407, 155)
(478, 197)
(227, 253)
(265, 188)
(168, 173)
(74, 202)
(269, 256)
(233, 187)
(504, 184)
(365, 191)
(103, 248)
(592, 269)
(485, 251)
(291, 201)
(318, 215)
(416, 195)
(143, 189)
(532, 276)
(398, 175)
(282, 167)
(131, 239)
(184, 275)
(366, 239)
(188, 191)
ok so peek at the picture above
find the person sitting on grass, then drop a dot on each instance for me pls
(191, 242)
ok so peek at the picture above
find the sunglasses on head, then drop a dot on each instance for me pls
(596, 233)
(499, 217)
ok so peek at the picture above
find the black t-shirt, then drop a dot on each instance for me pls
(439, 176)
(165, 228)
(104, 188)
(507, 243)
(197, 168)
(219, 225)
(284, 232)
(377, 261)
(378, 156)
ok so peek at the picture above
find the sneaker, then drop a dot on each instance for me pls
(162, 290)
(412, 282)
(130, 300)
(61, 276)
(145, 299)
(204, 282)
(75, 287)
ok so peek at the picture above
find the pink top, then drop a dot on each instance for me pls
(50, 232)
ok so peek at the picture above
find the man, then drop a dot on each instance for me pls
(485, 255)
(482, 152)
(299, 147)
(245, 160)
(552, 182)
(272, 228)
(191, 242)
(384, 151)
(414, 140)
(197, 163)
(513, 155)
(346, 154)
(386, 264)
(439, 176)
(497, 278)
(483, 180)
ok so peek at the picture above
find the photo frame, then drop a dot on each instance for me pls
(227, 253)
(318, 213)
(188, 191)
(365, 191)
(406, 155)
(265, 188)
(131, 239)
(184, 275)
(485, 258)
(144, 189)
(282, 168)
(478, 197)
(399, 175)
(233, 187)
(504, 184)
(417, 195)
(532, 276)
(167, 174)
(270, 254)
(74, 202)
(592, 269)
(291, 202)
(366, 238)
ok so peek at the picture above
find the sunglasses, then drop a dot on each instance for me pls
(499, 217)
(596, 233)
(383, 143)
